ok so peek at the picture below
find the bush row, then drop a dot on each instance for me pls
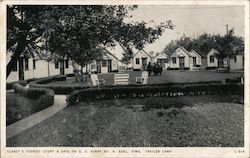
(233, 81)
(23, 82)
(44, 97)
(103, 93)
(42, 83)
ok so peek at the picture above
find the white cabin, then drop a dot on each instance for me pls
(212, 60)
(163, 60)
(181, 59)
(28, 67)
(140, 60)
(196, 58)
(237, 63)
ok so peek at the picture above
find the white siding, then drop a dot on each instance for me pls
(212, 64)
(41, 69)
(141, 54)
(236, 64)
(197, 56)
(70, 69)
(114, 62)
(180, 53)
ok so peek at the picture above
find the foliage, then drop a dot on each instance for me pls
(152, 90)
(75, 32)
(227, 45)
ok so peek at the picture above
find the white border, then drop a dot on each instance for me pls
(176, 152)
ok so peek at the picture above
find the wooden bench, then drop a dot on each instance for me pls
(121, 79)
(143, 79)
(95, 81)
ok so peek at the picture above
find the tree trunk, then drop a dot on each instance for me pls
(19, 50)
(62, 70)
(81, 69)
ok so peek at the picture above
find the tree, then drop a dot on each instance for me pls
(76, 30)
(98, 26)
(127, 56)
(229, 45)
(25, 24)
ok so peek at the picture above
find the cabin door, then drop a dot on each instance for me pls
(182, 63)
(194, 61)
(109, 66)
(62, 72)
(144, 63)
(98, 66)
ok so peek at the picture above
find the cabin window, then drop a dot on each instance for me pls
(174, 60)
(15, 66)
(235, 59)
(137, 61)
(34, 64)
(56, 65)
(104, 63)
(67, 64)
(211, 58)
(92, 66)
(26, 63)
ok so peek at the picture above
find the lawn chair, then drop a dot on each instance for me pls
(143, 79)
(95, 81)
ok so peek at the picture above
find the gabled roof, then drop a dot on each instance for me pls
(187, 52)
(108, 52)
(184, 50)
(215, 51)
(161, 54)
(194, 52)
(143, 51)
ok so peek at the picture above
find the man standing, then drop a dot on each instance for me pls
(149, 68)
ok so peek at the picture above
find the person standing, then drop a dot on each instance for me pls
(149, 68)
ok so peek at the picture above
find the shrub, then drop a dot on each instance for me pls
(151, 90)
(211, 68)
(70, 75)
(23, 82)
(42, 83)
(44, 96)
(233, 81)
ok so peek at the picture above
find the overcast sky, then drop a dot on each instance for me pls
(189, 20)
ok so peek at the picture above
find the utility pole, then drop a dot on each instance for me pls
(227, 28)
(228, 60)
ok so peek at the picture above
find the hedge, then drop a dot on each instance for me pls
(42, 83)
(44, 97)
(103, 93)
(23, 82)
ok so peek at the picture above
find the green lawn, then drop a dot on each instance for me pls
(170, 76)
(18, 107)
(181, 121)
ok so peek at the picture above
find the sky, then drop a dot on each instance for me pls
(189, 20)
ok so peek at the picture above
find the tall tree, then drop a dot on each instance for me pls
(81, 29)
(25, 24)
(76, 30)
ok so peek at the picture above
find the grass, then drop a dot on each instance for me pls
(170, 76)
(195, 121)
(167, 76)
(18, 107)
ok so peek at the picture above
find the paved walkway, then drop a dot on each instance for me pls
(28, 122)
